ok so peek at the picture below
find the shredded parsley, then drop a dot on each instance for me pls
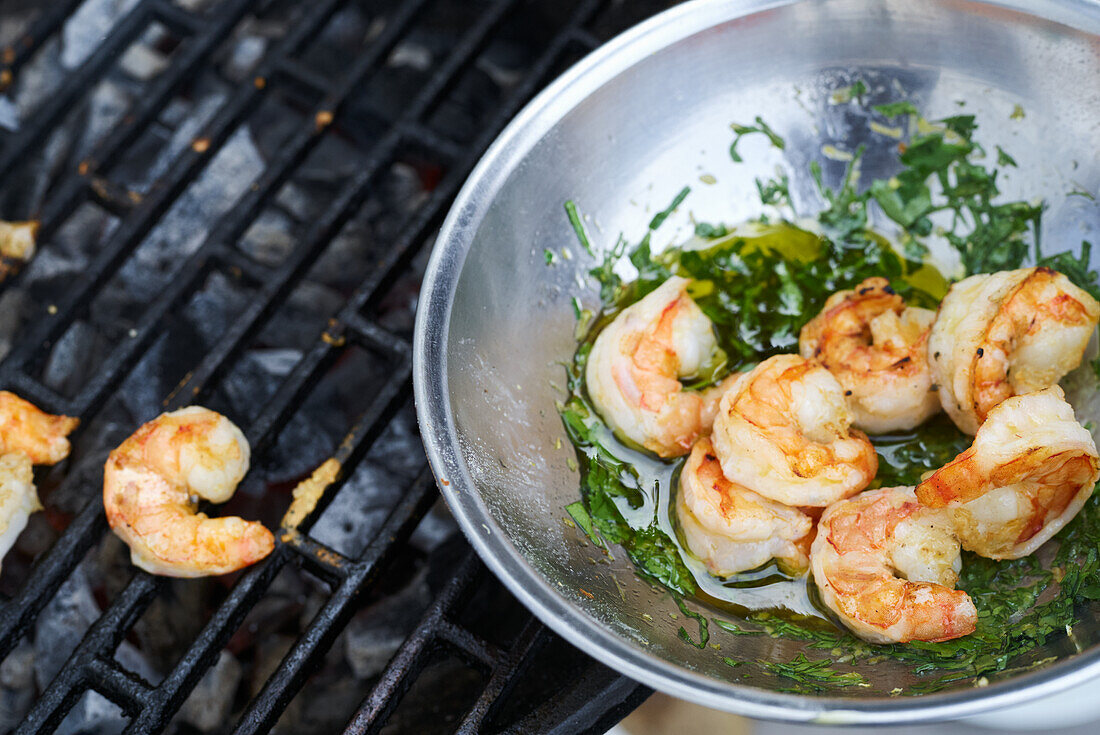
(740, 131)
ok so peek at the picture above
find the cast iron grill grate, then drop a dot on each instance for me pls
(322, 97)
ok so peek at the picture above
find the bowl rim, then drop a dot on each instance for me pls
(440, 437)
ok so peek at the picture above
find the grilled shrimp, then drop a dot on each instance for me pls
(17, 497)
(731, 528)
(1029, 471)
(27, 429)
(1005, 334)
(875, 346)
(784, 431)
(888, 565)
(148, 491)
(636, 363)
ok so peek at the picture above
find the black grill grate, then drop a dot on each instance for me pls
(594, 697)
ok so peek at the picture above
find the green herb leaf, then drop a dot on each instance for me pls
(762, 127)
(894, 109)
(1003, 159)
(578, 226)
(660, 217)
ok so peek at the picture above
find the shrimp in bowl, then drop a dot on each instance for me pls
(784, 430)
(731, 528)
(636, 365)
(887, 566)
(1028, 473)
(875, 345)
(150, 487)
(1004, 334)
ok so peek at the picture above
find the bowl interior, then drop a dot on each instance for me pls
(628, 130)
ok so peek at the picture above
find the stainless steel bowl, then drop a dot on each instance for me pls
(621, 133)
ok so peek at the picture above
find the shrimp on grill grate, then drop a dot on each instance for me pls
(150, 487)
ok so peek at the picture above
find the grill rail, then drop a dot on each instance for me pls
(599, 697)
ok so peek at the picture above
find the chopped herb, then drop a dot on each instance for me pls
(895, 109)
(735, 630)
(859, 89)
(1017, 113)
(703, 229)
(730, 662)
(1003, 159)
(549, 256)
(578, 226)
(579, 515)
(741, 131)
(704, 632)
(989, 236)
(813, 676)
(1076, 269)
(774, 192)
(660, 217)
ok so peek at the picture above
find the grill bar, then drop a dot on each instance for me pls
(91, 665)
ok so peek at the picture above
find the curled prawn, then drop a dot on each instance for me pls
(27, 429)
(1003, 334)
(149, 489)
(1028, 473)
(636, 365)
(731, 528)
(18, 498)
(887, 566)
(876, 347)
(784, 431)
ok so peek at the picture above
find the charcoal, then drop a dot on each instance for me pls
(71, 355)
(94, 714)
(257, 376)
(61, 624)
(12, 304)
(245, 57)
(437, 527)
(87, 27)
(376, 631)
(9, 114)
(268, 240)
(16, 686)
(143, 62)
(213, 309)
(38, 79)
(302, 318)
(105, 108)
(208, 707)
